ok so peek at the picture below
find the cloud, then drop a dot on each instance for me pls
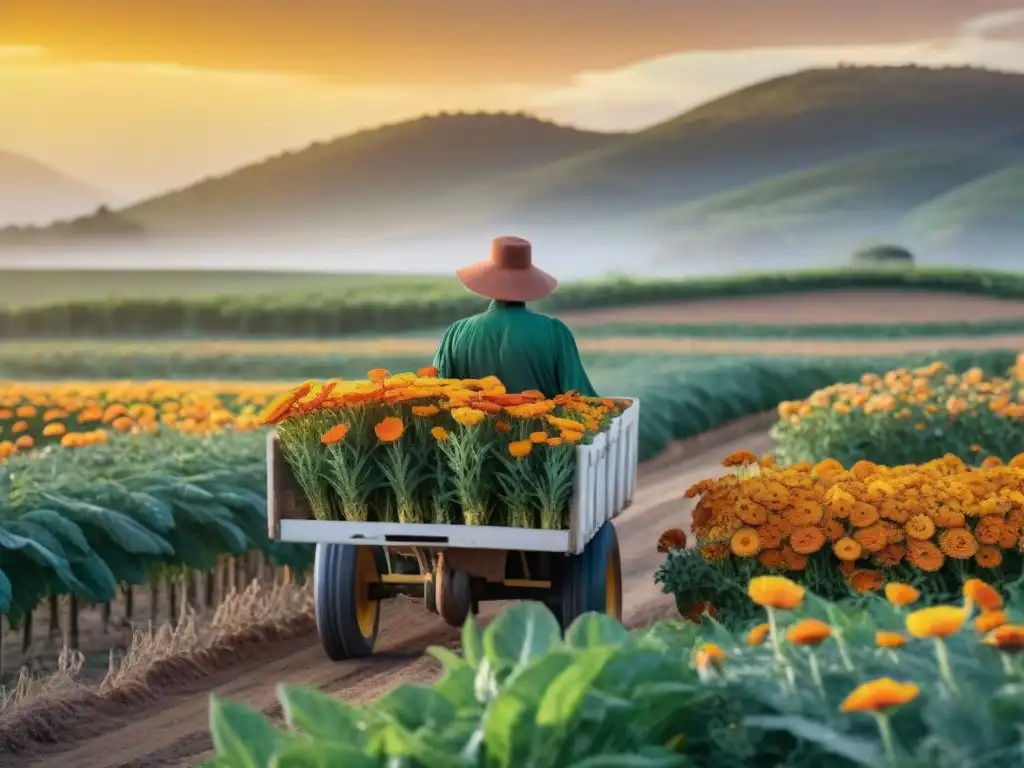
(995, 24)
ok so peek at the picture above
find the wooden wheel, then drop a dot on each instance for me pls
(347, 619)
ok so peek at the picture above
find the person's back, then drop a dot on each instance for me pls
(525, 349)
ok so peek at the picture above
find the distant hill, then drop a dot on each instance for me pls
(369, 182)
(985, 215)
(33, 193)
(820, 152)
(830, 207)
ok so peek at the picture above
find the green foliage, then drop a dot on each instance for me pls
(878, 255)
(346, 305)
(83, 520)
(520, 695)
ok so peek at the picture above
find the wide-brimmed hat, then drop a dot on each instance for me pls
(509, 275)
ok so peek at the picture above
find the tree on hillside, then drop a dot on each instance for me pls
(883, 255)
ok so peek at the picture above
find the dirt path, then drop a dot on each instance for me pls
(173, 731)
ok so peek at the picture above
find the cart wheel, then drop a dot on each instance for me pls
(346, 618)
(452, 593)
(592, 580)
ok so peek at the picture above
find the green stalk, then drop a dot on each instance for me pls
(885, 732)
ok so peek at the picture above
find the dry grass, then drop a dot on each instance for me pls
(45, 710)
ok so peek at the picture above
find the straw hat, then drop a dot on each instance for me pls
(509, 275)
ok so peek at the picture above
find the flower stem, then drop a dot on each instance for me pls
(945, 670)
(885, 731)
(780, 658)
(1007, 665)
(844, 652)
(816, 673)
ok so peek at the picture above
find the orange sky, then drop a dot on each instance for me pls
(136, 96)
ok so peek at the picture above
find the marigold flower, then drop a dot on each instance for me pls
(520, 448)
(808, 632)
(538, 437)
(427, 373)
(865, 580)
(739, 459)
(982, 595)
(25, 442)
(900, 594)
(54, 429)
(554, 442)
(672, 539)
(439, 433)
(775, 592)
(425, 410)
(879, 695)
(377, 375)
(708, 655)
(958, 543)
(847, 549)
(806, 540)
(1008, 637)
(389, 429)
(937, 621)
(468, 417)
(920, 527)
(744, 543)
(758, 634)
(986, 622)
(890, 640)
(334, 434)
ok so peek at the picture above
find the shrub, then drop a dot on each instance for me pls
(842, 531)
(677, 695)
(906, 417)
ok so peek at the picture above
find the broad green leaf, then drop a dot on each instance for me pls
(596, 629)
(564, 696)
(667, 760)
(320, 715)
(315, 753)
(828, 739)
(519, 634)
(472, 644)
(241, 735)
(448, 658)
(458, 686)
(415, 706)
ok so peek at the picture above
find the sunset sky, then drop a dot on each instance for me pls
(136, 96)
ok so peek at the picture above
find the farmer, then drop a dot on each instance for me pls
(525, 349)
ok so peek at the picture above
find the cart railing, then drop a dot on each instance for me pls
(603, 486)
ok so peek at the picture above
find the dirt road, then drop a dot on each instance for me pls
(172, 731)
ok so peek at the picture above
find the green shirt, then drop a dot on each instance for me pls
(524, 349)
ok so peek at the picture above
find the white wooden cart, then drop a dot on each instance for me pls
(572, 571)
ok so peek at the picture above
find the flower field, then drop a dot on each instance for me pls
(414, 448)
(907, 416)
(816, 683)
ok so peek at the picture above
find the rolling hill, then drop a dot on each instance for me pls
(33, 193)
(785, 161)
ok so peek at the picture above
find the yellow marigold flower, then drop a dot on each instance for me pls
(890, 640)
(775, 592)
(468, 417)
(981, 594)
(758, 634)
(937, 621)
(334, 434)
(389, 429)
(1008, 637)
(808, 632)
(986, 622)
(744, 543)
(900, 594)
(879, 695)
(739, 459)
(520, 448)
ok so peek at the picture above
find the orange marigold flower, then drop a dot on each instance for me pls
(377, 375)
(334, 434)
(806, 540)
(890, 640)
(847, 549)
(924, 555)
(937, 621)
(554, 442)
(439, 433)
(986, 622)
(389, 429)
(758, 634)
(865, 580)
(54, 429)
(672, 539)
(739, 459)
(900, 594)
(19, 426)
(425, 410)
(958, 543)
(427, 373)
(988, 556)
(24, 442)
(744, 543)
(983, 595)
(879, 695)
(709, 655)
(520, 448)
(808, 632)
(1008, 637)
(775, 592)
(920, 527)
(538, 437)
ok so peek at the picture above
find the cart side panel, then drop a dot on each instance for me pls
(285, 500)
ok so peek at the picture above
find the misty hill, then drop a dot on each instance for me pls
(33, 193)
(368, 182)
(902, 136)
(825, 209)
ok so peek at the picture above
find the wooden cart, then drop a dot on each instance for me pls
(572, 571)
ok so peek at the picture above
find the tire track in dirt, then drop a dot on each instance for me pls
(173, 731)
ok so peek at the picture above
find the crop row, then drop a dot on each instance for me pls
(389, 308)
(866, 684)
